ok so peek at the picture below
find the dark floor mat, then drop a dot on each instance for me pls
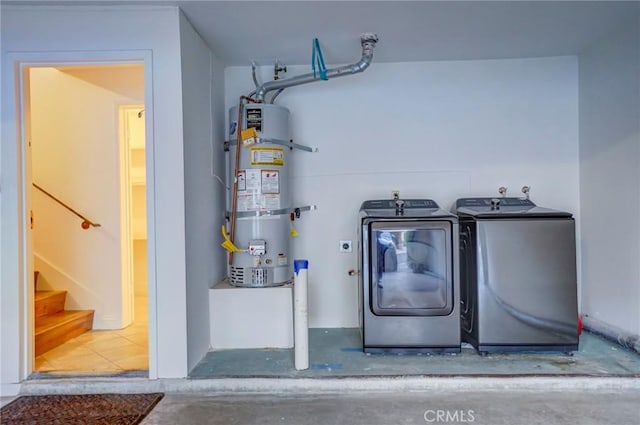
(80, 409)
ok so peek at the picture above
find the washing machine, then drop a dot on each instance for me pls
(408, 285)
(517, 276)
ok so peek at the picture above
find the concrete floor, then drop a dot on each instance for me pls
(600, 384)
(338, 353)
(5, 400)
(363, 400)
(490, 408)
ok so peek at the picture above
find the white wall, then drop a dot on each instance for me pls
(149, 34)
(124, 80)
(441, 130)
(75, 157)
(610, 180)
(202, 82)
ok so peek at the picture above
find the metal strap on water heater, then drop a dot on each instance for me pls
(287, 143)
(275, 212)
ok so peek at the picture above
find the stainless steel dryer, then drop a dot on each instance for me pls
(408, 290)
(518, 276)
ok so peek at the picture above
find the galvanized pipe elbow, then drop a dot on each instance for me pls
(368, 42)
(361, 65)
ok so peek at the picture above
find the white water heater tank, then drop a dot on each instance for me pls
(263, 201)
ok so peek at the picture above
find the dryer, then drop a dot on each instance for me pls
(518, 276)
(408, 286)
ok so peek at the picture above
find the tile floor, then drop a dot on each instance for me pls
(102, 352)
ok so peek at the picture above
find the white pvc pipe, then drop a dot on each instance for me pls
(300, 315)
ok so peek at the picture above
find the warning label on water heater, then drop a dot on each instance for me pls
(258, 190)
(257, 202)
(242, 180)
(252, 180)
(267, 156)
(270, 181)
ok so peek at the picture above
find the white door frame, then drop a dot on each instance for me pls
(126, 204)
(16, 262)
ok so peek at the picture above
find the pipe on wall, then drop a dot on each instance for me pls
(612, 333)
(368, 42)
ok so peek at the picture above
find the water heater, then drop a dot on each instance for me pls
(263, 197)
(260, 206)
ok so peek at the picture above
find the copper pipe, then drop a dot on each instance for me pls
(234, 200)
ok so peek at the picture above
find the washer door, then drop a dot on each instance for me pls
(411, 268)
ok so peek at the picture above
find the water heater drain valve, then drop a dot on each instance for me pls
(257, 247)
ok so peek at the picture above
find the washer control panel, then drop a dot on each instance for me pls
(386, 204)
(494, 202)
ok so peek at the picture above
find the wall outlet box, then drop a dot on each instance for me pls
(346, 246)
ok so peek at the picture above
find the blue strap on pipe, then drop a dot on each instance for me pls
(299, 265)
(318, 59)
(313, 57)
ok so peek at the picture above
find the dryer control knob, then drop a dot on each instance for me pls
(495, 204)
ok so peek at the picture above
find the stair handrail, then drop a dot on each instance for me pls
(86, 223)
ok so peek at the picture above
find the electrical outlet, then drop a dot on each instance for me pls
(346, 246)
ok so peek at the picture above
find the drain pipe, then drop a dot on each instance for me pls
(368, 42)
(300, 315)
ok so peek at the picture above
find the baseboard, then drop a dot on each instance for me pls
(49, 272)
(612, 333)
(107, 324)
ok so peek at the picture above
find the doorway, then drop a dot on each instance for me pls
(87, 203)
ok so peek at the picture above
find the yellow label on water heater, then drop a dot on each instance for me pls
(249, 137)
(267, 156)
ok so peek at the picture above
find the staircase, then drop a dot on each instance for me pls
(53, 324)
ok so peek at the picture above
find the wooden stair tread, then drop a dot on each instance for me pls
(55, 329)
(51, 321)
(53, 324)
